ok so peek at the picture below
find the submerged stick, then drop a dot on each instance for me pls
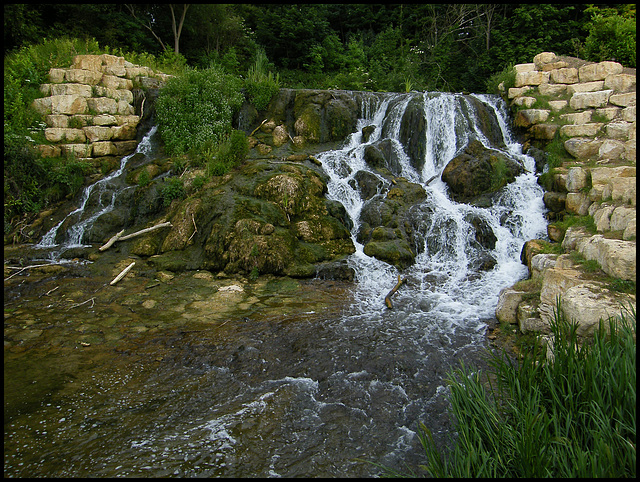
(387, 299)
(122, 274)
(109, 243)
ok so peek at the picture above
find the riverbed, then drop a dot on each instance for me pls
(201, 374)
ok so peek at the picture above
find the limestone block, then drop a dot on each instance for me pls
(525, 67)
(124, 108)
(619, 130)
(81, 76)
(112, 65)
(623, 189)
(528, 117)
(127, 119)
(599, 71)
(113, 82)
(516, 92)
(124, 94)
(582, 130)
(71, 89)
(573, 237)
(544, 58)
(590, 303)
(630, 151)
(137, 71)
(87, 62)
(620, 82)
(57, 120)
(98, 133)
(609, 113)
(541, 262)
(533, 325)
(621, 217)
(555, 283)
(124, 132)
(60, 134)
(611, 149)
(56, 76)
(552, 89)
(105, 120)
(48, 150)
(42, 105)
(584, 100)
(630, 231)
(564, 76)
(578, 203)
(616, 257)
(623, 100)
(531, 78)
(602, 217)
(585, 87)
(77, 150)
(45, 89)
(68, 104)
(629, 114)
(103, 105)
(525, 101)
(81, 119)
(558, 105)
(507, 307)
(576, 179)
(104, 148)
(554, 65)
(582, 147)
(583, 117)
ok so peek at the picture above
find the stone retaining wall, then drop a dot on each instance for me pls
(592, 104)
(89, 107)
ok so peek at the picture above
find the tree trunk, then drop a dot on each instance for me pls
(177, 29)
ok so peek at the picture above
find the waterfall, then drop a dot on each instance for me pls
(97, 199)
(443, 281)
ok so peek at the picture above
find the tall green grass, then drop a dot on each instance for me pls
(572, 416)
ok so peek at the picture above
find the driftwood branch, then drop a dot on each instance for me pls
(21, 269)
(195, 228)
(387, 299)
(109, 243)
(122, 274)
(146, 230)
(256, 129)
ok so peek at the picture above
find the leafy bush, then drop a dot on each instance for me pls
(196, 109)
(173, 189)
(612, 37)
(230, 153)
(261, 85)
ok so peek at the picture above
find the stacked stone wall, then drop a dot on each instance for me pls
(89, 108)
(592, 105)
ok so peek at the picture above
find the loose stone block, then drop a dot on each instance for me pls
(629, 114)
(576, 179)
(59, 134)
(77, 150)
(582, 148)
(105, 120)
(48, 150)
(87, 62)
(103, 105)
(56, 76)
(577, 117)
(581, 130)
(42, 105)
(516, 92)
(113, 65)
(578, 203)
(124, 132)
(98, 133)
(543, 131)
(611, 149)
(71, 89)
(552, 89)
(525, 67)
(619, 130)
(609, 113)
(544, 58)
(528, 117)
(558, 105)
(104, 148)
(53, 120)
(525, 101)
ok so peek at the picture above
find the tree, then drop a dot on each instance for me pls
(149, 16)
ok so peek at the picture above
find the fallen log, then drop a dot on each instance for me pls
(109, 243)
(122, 274)
(146, 230)
(387, 299)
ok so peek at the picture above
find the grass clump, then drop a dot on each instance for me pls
(574, 416)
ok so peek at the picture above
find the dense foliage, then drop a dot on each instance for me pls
(261, 47)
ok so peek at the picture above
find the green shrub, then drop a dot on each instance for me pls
(196, 109)
(229, 154)
(261, 85)
(173, 189)
(507, 78)
(611, 37)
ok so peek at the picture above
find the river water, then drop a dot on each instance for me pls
(194, 375)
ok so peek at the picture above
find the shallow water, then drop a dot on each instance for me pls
(175, 377)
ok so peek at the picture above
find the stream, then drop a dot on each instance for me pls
(196, 375)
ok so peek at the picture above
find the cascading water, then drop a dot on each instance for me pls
(443, 281)
(97, 199)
